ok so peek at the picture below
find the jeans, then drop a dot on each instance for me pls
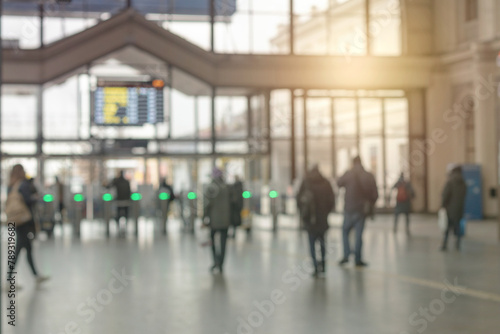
(454, 227)
(320, 237)
(23, 241)
(219, 254)
(352, 220)
(396, 216)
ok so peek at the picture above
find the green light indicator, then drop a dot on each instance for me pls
(247, 194)
(192, 195)
(78, 198)
(107, 197)
(164, 196)
(48, 198)
(136, 197)
(273, 194)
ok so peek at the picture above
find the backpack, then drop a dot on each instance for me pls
(15, 207)
(307, 205)
(402, 195)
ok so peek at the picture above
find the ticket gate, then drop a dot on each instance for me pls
(164, 206)
(193, 208)
(107, 210)
(46, 214)
(79, 207)
(136, 211)
(273, 194)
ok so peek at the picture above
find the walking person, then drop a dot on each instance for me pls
(236, 205)
(166, 188)
(19, 207)
(217, 215)
(123, 192)
(404, 195)
(453, 200)
(360, 196)
(60, 198)
(316, 200)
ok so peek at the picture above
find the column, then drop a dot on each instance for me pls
(293, 169)
(416, 137)
(485, 120)
(39, 137)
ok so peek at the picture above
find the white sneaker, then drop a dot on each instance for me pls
(41, 279)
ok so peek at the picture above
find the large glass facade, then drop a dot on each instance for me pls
(340, 125)
(321, 27)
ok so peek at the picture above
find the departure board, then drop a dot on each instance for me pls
(132, 104)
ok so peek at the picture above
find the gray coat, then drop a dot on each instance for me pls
(360, 187)
(218, 204)
(453, 197)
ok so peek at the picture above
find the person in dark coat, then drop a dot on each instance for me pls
(236, 205)
(25, 230)
(404, 195)
(123, 192)
(164, 187)
(316, 200)
(360, 196)
(453, 200)
(217, 215)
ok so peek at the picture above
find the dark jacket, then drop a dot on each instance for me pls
(122, 186)
(404, 206)
(217, 207)
(453, 197)
(164, 187)
(236, 202)
(324, 200)
(360, 187)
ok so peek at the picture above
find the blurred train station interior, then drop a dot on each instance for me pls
(169, 93)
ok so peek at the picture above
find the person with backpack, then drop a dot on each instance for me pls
(404, 195)
(123, 192)
(217, 215)
(19, 207)
(453, 200)
(316, 200)
(359, 200)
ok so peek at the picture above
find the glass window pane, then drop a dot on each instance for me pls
(21, 32)
(347, 26)
(370, 117)
(371, 154)
(396, 117)
(18, 112)
(232, 147)
(182, 115)
(18, 148)
(60, 110)
(258, 26)
(281, 163)
(204, 117)
(320, 152)
(319, 117)
(280, 113)
(345, 117)
(231, 116)
(385, 28)
(345, 150)
(197, 33)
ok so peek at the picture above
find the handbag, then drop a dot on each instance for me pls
(442, 219)
(15, 207)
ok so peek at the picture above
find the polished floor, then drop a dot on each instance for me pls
(265, 288)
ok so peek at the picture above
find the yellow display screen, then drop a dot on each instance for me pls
(128, 105)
